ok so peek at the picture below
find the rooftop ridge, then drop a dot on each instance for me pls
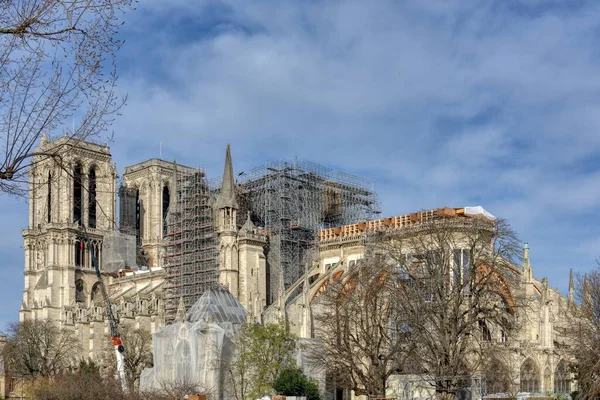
(402, 221)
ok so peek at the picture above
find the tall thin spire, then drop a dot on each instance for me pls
(227, 194)
(571, 286)
(526, 262)
(527, 274)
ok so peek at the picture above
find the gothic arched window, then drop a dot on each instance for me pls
(497, 377)
(77, 194)
(96, 251)
(92, 198)
(234, 258)
(138, 217)
(49, 198)
(530, 377)
(562, 378)
(547, 380)
(486, 335)
(166, 200)
(80, 294)
(79, 253)
(96, 295)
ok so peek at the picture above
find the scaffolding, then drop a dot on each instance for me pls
(292, 201)
(191, 265)
(129, 211)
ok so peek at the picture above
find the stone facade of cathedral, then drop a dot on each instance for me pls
(535, 357)
(78, 188)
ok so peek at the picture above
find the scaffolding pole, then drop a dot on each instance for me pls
(190, 256)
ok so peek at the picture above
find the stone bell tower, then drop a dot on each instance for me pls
(71, 187)
(242, 261)
(226, 216)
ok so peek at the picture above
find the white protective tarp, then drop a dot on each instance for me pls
(118, 252)
(217, 305)
(191, 351)
(187, 355)
(478, 210)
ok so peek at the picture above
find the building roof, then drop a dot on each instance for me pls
(217, 305)
(248, 225)
(157, 162)
(403, 221)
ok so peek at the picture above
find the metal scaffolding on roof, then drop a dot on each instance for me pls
(191, 262)
(292, 201)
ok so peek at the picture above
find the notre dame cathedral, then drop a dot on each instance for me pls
(73, 205)
(190, 236)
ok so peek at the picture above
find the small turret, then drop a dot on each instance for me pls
(586, 290)
(527, 274)
(180, 311)
(571, 286)
(248, 226)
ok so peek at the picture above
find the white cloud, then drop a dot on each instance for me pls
(442, 103)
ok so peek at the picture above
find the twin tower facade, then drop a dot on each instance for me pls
(73, 205)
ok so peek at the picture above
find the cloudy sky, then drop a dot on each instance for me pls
(439, 102)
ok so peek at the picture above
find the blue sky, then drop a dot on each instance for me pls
(439, 102)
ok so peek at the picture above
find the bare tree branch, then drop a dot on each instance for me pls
(428, 301)
(57, 69)
(585, 332)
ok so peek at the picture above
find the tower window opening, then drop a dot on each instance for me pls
(95, 296)
(80, 295)
(77, 194)
(92, 198)
(49, 198)
(166, 199)
(138, 219)
(96, 251)
(79, 253)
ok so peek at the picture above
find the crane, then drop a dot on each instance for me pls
(112, 320)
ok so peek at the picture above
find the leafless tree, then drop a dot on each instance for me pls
(361, 340)
(138, 352)
(39, 348)
(585, 334)
(137, 355)
(57, 73)
(458, 292)
(501, 367)
(179, 389)
(424, 300)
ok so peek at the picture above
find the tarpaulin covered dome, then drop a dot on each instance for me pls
(191, 351)
(217, 305)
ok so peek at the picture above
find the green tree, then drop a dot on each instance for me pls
(262, 352)
(138, 353)
(292, 382)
